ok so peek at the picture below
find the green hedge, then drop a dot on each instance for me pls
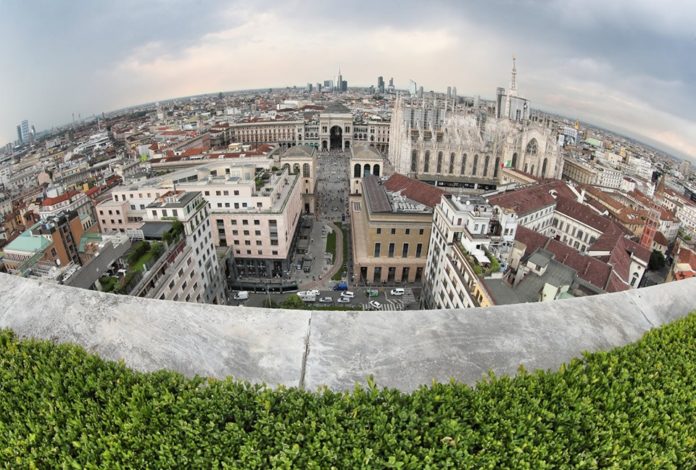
(634, 407)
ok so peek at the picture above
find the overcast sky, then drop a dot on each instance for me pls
(629, 65)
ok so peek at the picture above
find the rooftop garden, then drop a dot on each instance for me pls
(141, 255)
(482, 270)
(633, 407)
(173, 234)
(262, 177)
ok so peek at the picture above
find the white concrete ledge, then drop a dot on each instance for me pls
(336, 349)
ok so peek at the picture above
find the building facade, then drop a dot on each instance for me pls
(253, 209)
(302, 160)
(335, 129)
(390, 230)
(364, 161)
(468, 150)
(189, 270)
(469, 237)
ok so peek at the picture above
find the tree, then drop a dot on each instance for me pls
(293, 302)
(657, 261)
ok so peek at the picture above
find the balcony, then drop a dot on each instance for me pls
(462, 278)
(155, 277)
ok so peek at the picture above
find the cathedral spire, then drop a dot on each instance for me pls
(513, 81)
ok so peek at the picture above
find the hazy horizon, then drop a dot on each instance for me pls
(624, 66)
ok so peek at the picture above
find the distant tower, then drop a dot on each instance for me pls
(499, 104)
(339, 80)
(19, 134)
(25, 131)
(513, 89)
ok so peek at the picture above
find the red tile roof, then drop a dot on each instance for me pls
(687, 256)
(602, 196)
(414, 189)
(193, 151)
(50, 201)
(95, 190)
(526, 200)
(610, 275)
(660, 239)
(637, 250)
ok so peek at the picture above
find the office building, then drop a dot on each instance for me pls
(26, 136)
(390, 229)
(252, 208)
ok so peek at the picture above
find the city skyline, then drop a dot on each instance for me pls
(624, 66)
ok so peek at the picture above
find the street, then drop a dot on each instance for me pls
(407, 301)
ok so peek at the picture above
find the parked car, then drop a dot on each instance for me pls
(241, 295)
(325, 300)
(397, 291)
(343, 300)
(375, 305)
(343, 285)
(348, 294)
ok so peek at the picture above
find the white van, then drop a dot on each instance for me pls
(397, 291)
(307, 296)
(241, 295)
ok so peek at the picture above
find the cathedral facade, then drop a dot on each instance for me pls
(450, 145)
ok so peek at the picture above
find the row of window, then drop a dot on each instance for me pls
(404, 250)
(258, 252)
(222, 193)
(407, 231)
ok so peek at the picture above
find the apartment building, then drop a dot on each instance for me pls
(579, 227)
(469, 238)
(53, 241)
(533, 207)
(608, 177)
(58, 200)
(188, 270)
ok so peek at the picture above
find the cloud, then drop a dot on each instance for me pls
(623, 64)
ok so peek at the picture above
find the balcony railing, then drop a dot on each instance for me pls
(156, 273)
